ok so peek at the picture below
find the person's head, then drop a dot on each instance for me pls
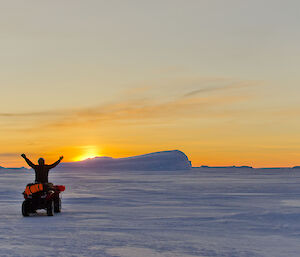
(41, 161)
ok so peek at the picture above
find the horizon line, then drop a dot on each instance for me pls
(192, 167)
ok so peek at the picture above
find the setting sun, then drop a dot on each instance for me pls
(87, 153)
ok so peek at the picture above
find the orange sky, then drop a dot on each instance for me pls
(219, 81)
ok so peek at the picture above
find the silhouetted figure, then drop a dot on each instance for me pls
(42, 169)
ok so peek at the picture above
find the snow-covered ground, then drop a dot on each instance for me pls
(200, 212)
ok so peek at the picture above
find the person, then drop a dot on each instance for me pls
(42, 169)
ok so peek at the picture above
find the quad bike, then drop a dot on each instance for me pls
(42, 196)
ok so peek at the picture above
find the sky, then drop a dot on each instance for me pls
(216, 79)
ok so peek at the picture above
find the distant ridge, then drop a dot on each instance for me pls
(247, 167)
(227, 167)
(165, 160)
(20, 168)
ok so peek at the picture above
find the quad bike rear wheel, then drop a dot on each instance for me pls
(25, 208)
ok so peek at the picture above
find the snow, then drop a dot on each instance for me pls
(197, 212)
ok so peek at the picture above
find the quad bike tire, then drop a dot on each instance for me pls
(57, 205)
(25, 208)
(50, 208)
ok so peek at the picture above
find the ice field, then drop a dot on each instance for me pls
(199, 212)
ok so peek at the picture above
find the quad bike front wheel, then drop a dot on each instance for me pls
(50, 208)
(57, 205)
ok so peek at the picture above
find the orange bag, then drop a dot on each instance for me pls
(33, 189)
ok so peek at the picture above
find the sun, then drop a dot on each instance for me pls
(88, 152)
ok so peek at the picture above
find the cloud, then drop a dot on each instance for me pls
(31, 114)
(5, 155)
(143, 109)
(148, 111)
(218, 88)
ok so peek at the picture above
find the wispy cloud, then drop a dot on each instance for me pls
(141, 109)
(31, 114)
(5, 155)
(208, 89)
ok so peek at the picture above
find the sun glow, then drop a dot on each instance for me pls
(88, 153)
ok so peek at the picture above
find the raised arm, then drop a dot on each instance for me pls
(56, 163)
(28, 161)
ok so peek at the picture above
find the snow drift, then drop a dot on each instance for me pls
(166, 160)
